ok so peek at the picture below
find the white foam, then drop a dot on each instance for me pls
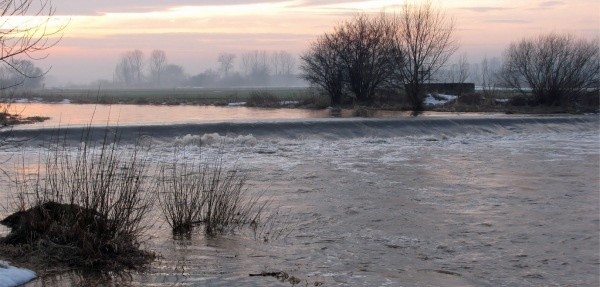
(13, 276)
(215, 139)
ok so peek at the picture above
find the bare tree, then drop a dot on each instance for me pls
(555, 68)
(360, 53)
(156, 65)
(27, 76)
(282, 63)
(367, 48)
(489, 76)
(129, 69)
(226, 62)
(26, 39)
(426, 36)
(255, 66)
(321, 66)
(460, 71)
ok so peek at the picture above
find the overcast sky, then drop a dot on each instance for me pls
(193, 33)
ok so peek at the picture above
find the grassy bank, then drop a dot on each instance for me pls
(496, 101)
(190, 96)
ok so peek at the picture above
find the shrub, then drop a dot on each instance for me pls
(262, 99)
(315, 100)
(520, 101)
(205, 193)
(85, 206)
(473, 99)
(363, 112)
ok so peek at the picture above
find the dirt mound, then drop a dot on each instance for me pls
(71, 236)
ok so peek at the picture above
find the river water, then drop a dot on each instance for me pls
(431, 201)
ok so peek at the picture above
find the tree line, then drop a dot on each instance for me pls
(254, 68)
(399, 53)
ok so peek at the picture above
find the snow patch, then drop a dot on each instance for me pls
(237, 104)
(439, 99)
(13, 276)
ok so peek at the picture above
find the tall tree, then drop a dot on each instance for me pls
(321, 66)
(255, 65)
(226, 62)
(128, 71)
(367, 48)
(359, 56)
(282, 63)
(426, 36)
(156, 65)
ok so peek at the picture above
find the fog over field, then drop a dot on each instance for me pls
(193, 34)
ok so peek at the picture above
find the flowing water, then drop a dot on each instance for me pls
(431, 201)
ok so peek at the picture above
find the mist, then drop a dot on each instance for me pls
(194, 34)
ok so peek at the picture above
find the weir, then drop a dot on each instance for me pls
(328, 128)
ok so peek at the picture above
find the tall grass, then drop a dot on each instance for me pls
(206, 193)
(89, 203)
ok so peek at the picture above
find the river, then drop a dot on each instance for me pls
(428, 201)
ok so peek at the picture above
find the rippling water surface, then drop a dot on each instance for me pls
(486, 202)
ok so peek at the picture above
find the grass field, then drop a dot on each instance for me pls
(198, 96)
(501, 100)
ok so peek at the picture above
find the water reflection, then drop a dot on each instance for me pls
(76, 114)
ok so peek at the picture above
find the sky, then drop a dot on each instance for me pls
(194, 32)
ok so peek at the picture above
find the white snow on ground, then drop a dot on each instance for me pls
(431, 101)
(13, 276)
(237, 104)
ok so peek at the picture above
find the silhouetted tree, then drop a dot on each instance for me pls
(358, 56)
(556, 68)
(367, 49)
(20, 40)
(322, 66)
(426, 37)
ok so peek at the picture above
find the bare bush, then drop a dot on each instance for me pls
(555, 68)
(180, 194)
(263, 99)
(88, 203)
(206, 193)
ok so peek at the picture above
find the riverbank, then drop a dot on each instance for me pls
(495, 101)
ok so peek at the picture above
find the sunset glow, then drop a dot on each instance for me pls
(193, 35)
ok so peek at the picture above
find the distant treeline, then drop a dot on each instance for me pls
(255, 68)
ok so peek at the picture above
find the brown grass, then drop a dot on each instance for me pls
(83, 207)
(205, 193)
